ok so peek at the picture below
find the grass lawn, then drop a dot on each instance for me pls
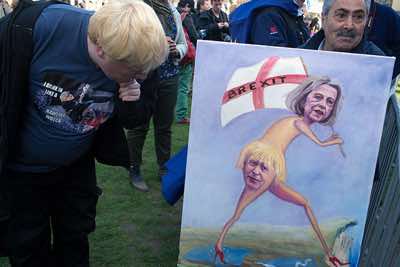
(135, 228)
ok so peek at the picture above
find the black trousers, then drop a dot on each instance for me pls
(4, 220)
(52, 215)
(163, 118)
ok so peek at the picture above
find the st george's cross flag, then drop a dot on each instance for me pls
(263, 85)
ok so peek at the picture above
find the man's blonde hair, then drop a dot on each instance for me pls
(129, 31)
(266, 153)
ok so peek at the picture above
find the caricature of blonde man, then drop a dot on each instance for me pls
(316, 100)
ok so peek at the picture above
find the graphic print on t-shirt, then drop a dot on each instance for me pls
(72, 105)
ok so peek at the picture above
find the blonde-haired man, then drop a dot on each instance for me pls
(50, 174)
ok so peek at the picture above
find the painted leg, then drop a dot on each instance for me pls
(286, 193)
(245, 199)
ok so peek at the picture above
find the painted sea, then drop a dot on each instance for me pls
(263, 245)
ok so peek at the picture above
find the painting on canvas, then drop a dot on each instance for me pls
(283, 145)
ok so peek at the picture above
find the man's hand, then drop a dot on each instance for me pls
(173, 52)
(129, 91)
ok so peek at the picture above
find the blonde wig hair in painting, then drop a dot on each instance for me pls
(266, 153)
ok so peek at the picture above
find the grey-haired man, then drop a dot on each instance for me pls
(343, 25)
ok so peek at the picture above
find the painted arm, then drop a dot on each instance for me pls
(304, 128)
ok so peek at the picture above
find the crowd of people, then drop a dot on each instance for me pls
(132, 63)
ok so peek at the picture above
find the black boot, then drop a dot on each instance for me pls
(136, 178)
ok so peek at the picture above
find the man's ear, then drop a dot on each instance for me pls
(99, 52)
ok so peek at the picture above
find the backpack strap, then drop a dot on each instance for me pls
(16, 48)
(23, 20)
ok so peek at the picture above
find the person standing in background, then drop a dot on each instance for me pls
(202, 6)
(280, 24)
(164, 86)
(186, 8)
(383, 29)
(215, 23)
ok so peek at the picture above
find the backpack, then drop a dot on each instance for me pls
(16, 49)
(241, 19)
(191, 51)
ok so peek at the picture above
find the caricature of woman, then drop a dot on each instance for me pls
(316, 100)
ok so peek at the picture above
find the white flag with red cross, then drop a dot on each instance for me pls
(263, 85)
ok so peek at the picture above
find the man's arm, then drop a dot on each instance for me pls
(225, 19)
(134, 113)
(181, 44)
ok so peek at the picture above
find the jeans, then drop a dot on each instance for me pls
(185, 81)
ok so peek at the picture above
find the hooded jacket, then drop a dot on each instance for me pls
(384, 31)
(279, 24)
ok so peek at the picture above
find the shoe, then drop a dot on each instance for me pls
(99, 191)
(336, 262)
(220, 254)
(136, 179)
(183, 121)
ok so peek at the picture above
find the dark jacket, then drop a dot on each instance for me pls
(189, 25)
(279, 25)
(385, 32)
(196, 20)
(365, 47)
(209, 22)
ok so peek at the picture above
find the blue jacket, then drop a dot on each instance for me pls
(279, 26)
(385, 32)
